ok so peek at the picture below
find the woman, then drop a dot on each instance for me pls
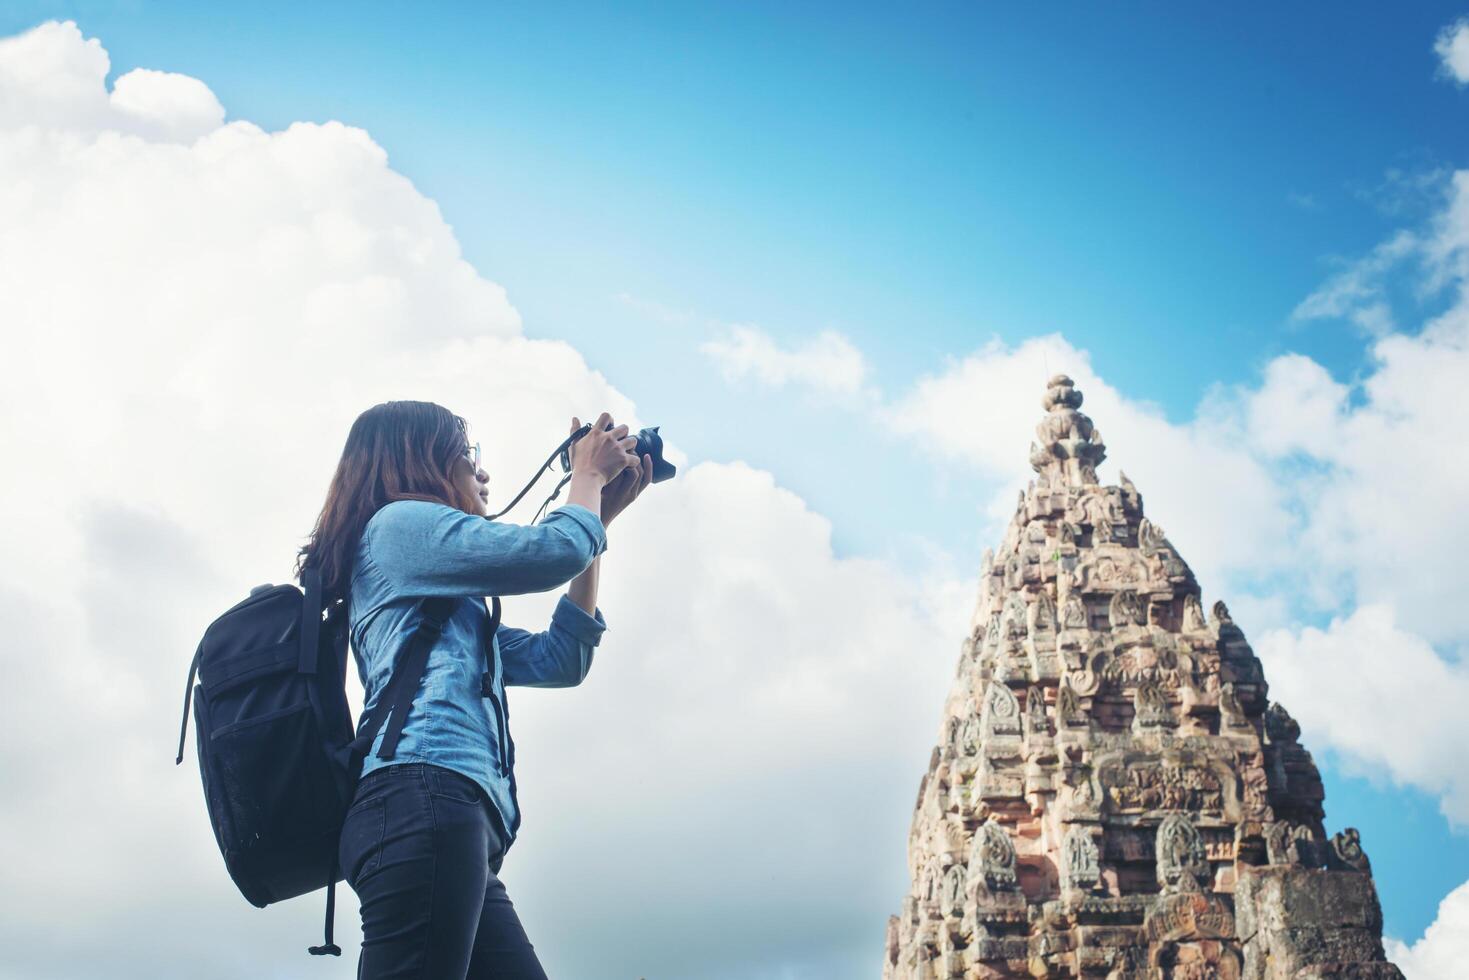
(405, 520)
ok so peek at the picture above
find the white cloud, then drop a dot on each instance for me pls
(1298, 404)
(179, 106)
(1452, 48)
(1356, 292)
(1444, 948)
(193, 313)
(1380, 696)
(1447, 246)
(52, 78)
(826, 363)
(1382, 524)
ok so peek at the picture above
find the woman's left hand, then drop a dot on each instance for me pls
(625, 488)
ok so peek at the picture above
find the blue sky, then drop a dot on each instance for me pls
(1162, 183)
(958, 172)
(1163, 186)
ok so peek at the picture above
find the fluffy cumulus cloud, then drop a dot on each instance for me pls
(1407, 720)
(1444, 948)
(827, 363)
(193, 312)
(52, 78)
(1452, 48)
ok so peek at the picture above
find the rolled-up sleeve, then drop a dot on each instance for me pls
(429, 549)
(559, 657)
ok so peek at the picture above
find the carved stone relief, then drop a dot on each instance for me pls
(1346, 848)
(1231, 714)
(1084, 801)
(1150, 537)
(1125, 610)
(1079, 859)
(1193, 614)
(969, 735)
(1014, 577)
(1001, 711)
(1182, 863)
(1280, 727)
(1073, 613)
(1151, 708)
(1138, 665)
(993, 857)
(1143, 783)
(1108, 572)
(1042, 618)
(1068, 709)
(1013, 621)
(951, 890)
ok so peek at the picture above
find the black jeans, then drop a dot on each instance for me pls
(420, 847)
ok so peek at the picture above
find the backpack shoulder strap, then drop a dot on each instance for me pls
(310, 620)
(404, 680)
(487, 683)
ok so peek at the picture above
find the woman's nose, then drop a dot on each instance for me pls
(482, 476)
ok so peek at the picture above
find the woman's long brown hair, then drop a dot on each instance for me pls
(395, 451)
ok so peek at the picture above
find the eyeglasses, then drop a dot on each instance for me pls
(471, 453)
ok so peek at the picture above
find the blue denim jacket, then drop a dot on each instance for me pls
(413, 549)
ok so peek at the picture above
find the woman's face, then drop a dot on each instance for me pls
(472, 482)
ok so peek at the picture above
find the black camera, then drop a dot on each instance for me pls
(649, 443)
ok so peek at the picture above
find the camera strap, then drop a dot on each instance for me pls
(554, 494)
(560, 452)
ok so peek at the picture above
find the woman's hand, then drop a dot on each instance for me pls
(602, 453)
(626, 488)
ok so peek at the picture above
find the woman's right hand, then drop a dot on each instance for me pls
(602, 453)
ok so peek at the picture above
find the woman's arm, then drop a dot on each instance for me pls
(612, 500)
(583, 589)
(561, 656)
(430, 549)
(558, 657)
(586, 491)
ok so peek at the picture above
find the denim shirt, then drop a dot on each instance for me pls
(413, 549)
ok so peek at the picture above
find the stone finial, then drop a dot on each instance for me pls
(1068, 448)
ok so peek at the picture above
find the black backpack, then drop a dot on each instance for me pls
(277, 751)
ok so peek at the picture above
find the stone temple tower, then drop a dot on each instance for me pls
(1113, 794)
